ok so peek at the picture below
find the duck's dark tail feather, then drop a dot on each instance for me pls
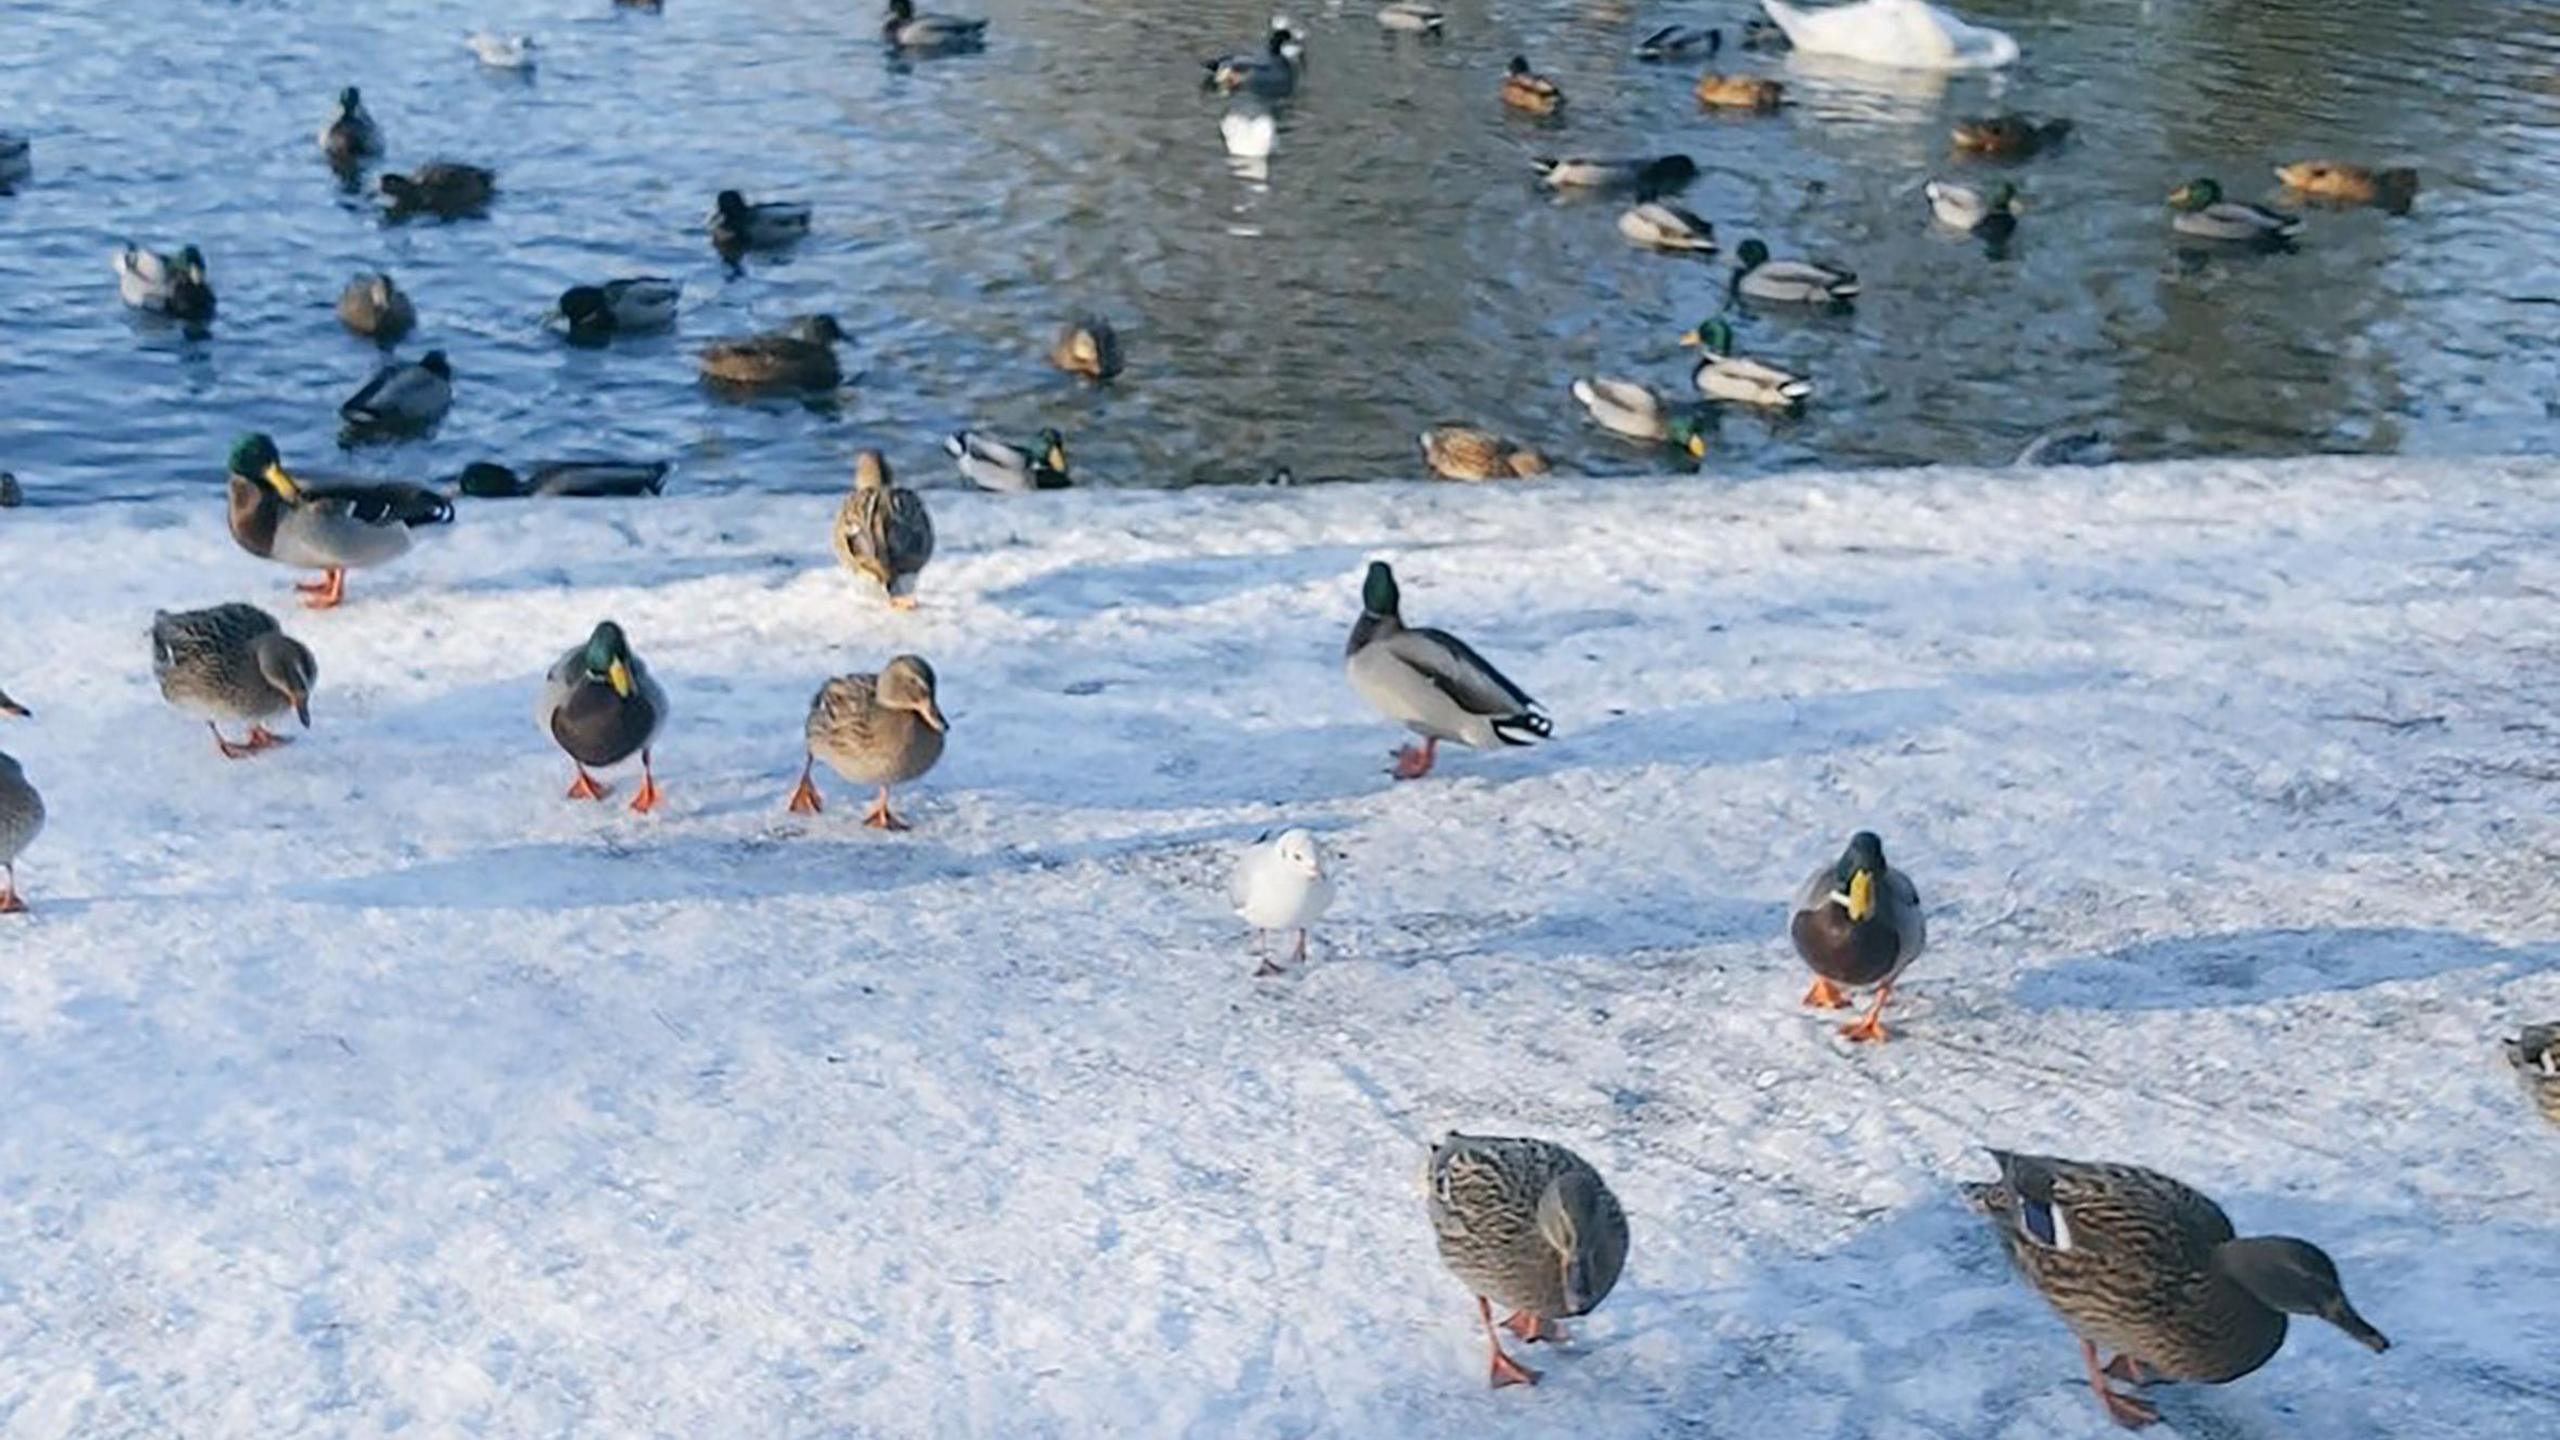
(1525, 728)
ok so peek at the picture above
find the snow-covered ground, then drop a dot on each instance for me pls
(369, 1087)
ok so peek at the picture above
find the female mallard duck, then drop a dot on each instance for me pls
(402, 398)
(1526, 90)
(1529, 1223)
(801, 357)
(352, 136)
(882, 730)
(1271, 72)
(904, 28)
(2536, 1056)
(1281, 884)
(600, 706)
(2344, 184)
(1739, 92)
(1679, 42)
(377, 309)
(1007, 469)
(1089, 347)
(1417, 17)
(232, 662)
(1723, 375)
(331, 527)
(1792, 282)
(2008, 136)
(1648, 178)
(171, 285)
(1990, 213)
(2201, 211)
(1466, 452)
(1626, 408)
(1858, 922)
(445, 188)
(21, 817)
(737, 225)
(636, 305)
(564, 480)
(1431, 683)
(1660, 225)
(883, 530)
(2144, 1266)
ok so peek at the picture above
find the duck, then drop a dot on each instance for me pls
(1528, 1223)
(1858, 922)
(375, 307)
(1990, 213)
(2140, 1264)
(1661, 225)
(1649, 178)
(2008, 135)
(2070, 445)
(563, 479)
(1526, 90)
(1624, 407)
(1088, 347)
(883, 530)
(1270, 73)
(2199, 210)
(1431, 683)
(332, 527)
(2535, 1053)
(1412, 16)
(1007, 469)
(1249, 131)
(2340, 183)
(402, 398)
(1896, 34)
(634, 305)
(233, 663)
(1759, 32)
(1679, 42)
(21, 816)
(737, 225)
(447, 189)
(172, 285)
(903, 28)
(1468, 452)
(17, 159)
(12, 494)
(1794, 282)
(601, 706)
(499, 51)
(1722, 375)
(884, 729)
(1280, 883)
(1739, 92)
(351, 135)
(801, 356)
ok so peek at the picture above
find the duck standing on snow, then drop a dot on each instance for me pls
(1529, 1223)
(232, 662)
(172, 285)
(21, 817)
(883, 530)
(402, 398)
(351, 137)
(1526, 90)
(601, 707)
(801, 357)
(2536, 1056)
(1468, 452)
(1660, 225)
(376, 308)
(1008, 469)
(1790, 282)
(1431, 683)
(1897, 34)
(2199, 210)
(738, 226)
(1089, 347)
(332, 527)
(883, 730)
(637, 305)
(1280, 884)
(2340, 183)
(2140, 1264)
(1723, 375)
(1858, 922)
(903, 28)
(1624, 407)
(564, 480)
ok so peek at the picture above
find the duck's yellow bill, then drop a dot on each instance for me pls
(1698, 447)
(1692, 338)
(284, 484)
(1862, 895)
(619, 675)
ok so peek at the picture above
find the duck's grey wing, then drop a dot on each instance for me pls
(1910, 922)
(1461, 673)
(389, 502)
(908, 540)
(366, 403)
(1816, 891)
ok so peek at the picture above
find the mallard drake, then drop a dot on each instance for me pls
(1088, 347)
(564, 479)
(1249, 130)
(903, 28)
(1990, 213)
(1412, 16)
(2199, 210)
(171, 285)
(1792, 282)
(1649, 178)
(1722, 375)
(1660, 225)
(1739, 92)
(1466, 452)
(883, 730)
(1679, 42)
(1626, 408)
(1529, 1223)
(2536, 1055)
(802, 357)
(328, 526)
(376, 308)
(737, 225)
(232, 662)
(499, 51)
(993, 465)
(351, 135)
(1858, 922)
(2008, 136)
(2142, 1265)
(1526, 90)
(601, 707)
(445, 188)
(636, 305)
(2341, 183)
(1898, 34)
(402, 398)
(1431, 683)
(21, 817)
(1270, 72)
(1280, 884)
(883, 530)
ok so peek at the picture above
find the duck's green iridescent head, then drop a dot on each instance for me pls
(1752, 254)
(1378, 592)
(2196, 195)
(609, 658)
(1689, 433)
(1713, 335)
(254, 457)
(1053, 450)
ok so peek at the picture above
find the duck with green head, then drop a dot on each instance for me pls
(1624, 407)
(601, 706)
(173, 285)
(1432, 683)
(2199, 209)
(1789, 282)
(991, 464)
(1857, 922)
(331, 524)
(1737, 380)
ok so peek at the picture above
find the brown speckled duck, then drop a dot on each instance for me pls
(802, 357)
(1858, 923)
(2536, 1056)
(1089, 347)
(883, 531)
(883, 730)
(1529, 1223)
(233, 662)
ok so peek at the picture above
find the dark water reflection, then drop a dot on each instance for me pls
(1395, 268)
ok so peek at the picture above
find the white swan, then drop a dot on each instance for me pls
(1902, 34)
